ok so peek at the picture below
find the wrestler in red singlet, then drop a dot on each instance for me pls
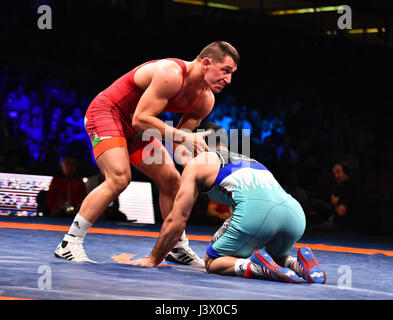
(109, 117)
(118, 117)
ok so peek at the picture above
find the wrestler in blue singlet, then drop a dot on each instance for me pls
(264, 215)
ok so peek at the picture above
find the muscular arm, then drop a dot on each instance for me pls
(190, 121)
(204, 106)
(175, 223)
(199, 173)
(165, 83)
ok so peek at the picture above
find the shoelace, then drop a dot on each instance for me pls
(259, 272)
(296, 266)
(265, 273)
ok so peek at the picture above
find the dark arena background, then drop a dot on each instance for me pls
(314, 89)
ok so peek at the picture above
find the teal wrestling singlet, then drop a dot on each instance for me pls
(264, 214)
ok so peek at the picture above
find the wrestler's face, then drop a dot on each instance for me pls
(217, 74)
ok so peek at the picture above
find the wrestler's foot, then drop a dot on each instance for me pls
(312, 271)
(183, 254)
(71, 248)
(273, 271)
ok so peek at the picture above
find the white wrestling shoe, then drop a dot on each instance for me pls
(71, 248)
(183, 254)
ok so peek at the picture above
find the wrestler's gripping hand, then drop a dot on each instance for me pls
(195, 142)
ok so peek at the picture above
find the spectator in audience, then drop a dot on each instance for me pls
(267, 151)
(53, 130)
(285, 152)
(241, 121)
(18, 102)
(76, 119)
(266, 130)
(58, 114)
(35, 134)
(76, 122)
(219, 210)
(256, 124)
(66, 191)
(219, 116)
(240, 129)
(346, 198)
(278, 123)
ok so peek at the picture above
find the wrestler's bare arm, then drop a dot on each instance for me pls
(189, 121)
(175, 222)
(165, 84)
(203, 108)
(198, 175)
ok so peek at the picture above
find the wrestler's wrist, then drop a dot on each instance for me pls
(155, 261)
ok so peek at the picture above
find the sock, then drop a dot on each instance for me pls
(246, 268)
(79, 227)
(183, 241)
(241, 266)
(293, 264)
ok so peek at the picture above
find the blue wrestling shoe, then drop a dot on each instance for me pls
(274, 271)
(312, 271)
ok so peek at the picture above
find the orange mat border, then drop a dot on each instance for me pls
(137, 233)
(12, 298)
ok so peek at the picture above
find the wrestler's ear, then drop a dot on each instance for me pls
(206, 62)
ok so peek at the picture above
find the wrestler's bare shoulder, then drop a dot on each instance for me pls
(162, 68)
(206, 165)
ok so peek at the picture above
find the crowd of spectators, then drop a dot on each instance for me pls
(43, 120)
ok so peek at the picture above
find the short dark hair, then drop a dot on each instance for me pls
(218, 137)
(218, 50)
(347, 166)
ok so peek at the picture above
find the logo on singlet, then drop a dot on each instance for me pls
(95, 139)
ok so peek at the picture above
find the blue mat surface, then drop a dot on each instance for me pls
(29, 270)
